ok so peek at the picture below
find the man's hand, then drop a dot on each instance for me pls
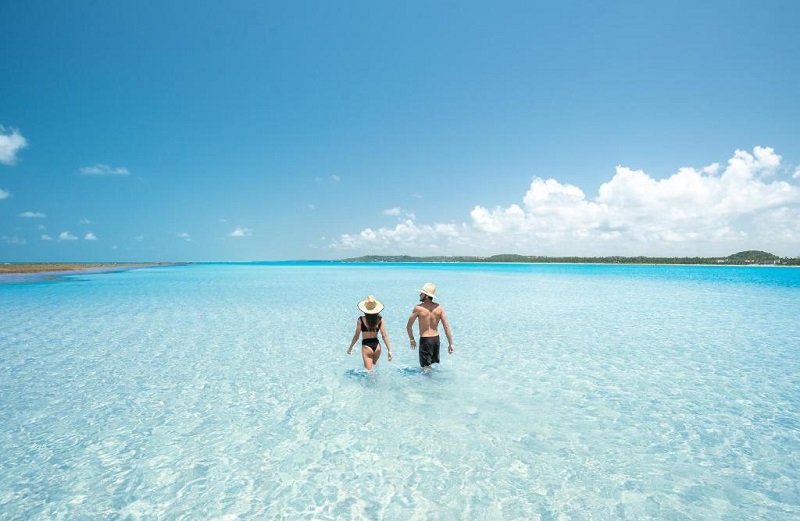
(413, 343)
(450, 349)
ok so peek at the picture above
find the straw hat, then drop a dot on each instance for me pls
(429, 289)
(370, 306)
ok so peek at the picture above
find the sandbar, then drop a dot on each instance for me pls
(74, 266)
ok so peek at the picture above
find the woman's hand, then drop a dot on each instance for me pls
(349, 350)
(390, 356)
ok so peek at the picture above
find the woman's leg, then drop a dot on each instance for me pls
(366, 356)
(370, 356)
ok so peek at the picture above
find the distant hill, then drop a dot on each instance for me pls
(750, 257)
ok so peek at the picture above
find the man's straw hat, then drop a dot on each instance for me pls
(370, 306)
(429, 289)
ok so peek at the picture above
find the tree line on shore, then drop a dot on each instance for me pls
(743, 258)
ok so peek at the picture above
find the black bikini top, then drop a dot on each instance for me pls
(364, 324)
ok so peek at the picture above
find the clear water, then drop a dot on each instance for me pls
(575, 392)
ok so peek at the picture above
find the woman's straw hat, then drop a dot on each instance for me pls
(370, 306)
(429, 289)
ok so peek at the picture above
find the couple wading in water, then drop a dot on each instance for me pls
(428, 314)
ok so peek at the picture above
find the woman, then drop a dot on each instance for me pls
(367, 327)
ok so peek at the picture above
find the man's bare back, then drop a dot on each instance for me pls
(428, 316)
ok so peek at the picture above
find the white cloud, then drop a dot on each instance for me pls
(392, 211)
(16, 241)
(46, 237)
(708, 211)
(85, 221)
(90, 237)
(103, 169)
(4, 194)
(11, 142)
(796, 174)
(185, 236)
(66, 236)
(240, 231)
(501, 219)
(404, 234)
(336, 178)
(33, 215)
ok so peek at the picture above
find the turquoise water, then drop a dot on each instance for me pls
(575, 392)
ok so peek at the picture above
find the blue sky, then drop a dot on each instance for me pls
(237, 131)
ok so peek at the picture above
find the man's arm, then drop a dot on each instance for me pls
(409, 330)
(447, 332)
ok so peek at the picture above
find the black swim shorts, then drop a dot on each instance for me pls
(428, 350)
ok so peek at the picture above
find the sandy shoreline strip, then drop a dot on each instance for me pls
(75, 266)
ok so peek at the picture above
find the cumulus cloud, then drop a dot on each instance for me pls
(392, 211)
(66, 236)
(706, 211)
(103, 169)
(46, 237)
(185, 236)
(84, 221)
(4, 194)
(33, 215)
(16, 241)
(240, 231)
(796, 174)
(405, 233)
(11, 142)
(90, 237)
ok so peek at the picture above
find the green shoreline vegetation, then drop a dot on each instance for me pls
(743, 258)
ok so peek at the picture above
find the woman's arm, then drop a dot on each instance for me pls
(386, 340)
(355, 335)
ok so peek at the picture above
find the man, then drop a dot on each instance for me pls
(429, 314)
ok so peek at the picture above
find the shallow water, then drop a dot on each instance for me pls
(223, 391)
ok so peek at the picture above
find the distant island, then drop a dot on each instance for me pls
(743, 258)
